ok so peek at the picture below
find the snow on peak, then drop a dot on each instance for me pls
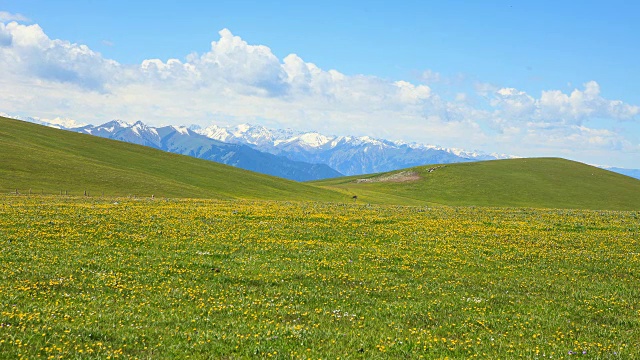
(245, 133)
(263, 137)
(369, 140)
(181, 129)
(215, 132)
(122, 123)
(113, 124)
(313, 139)
(241, 129)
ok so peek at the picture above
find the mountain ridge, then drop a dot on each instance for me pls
(350, 155)
(182, 140)
(319, 155)
(314, 155)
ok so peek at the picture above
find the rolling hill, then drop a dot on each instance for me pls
(533, 182)
(286, 153)
(51, 161)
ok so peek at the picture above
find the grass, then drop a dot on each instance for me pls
(124, 278)
(533, 182)
(103, 277)
(43, 160)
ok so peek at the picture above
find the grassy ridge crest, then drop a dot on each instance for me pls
(529, 182)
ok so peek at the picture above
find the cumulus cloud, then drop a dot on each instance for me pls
(514, 103)
(234, 61)
(234, 66)
(556, 106)
(411, 93)
(241, 82)
(28, 51)
(6, 38)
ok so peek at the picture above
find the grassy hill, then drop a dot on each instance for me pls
(49, 161)
(538, 182)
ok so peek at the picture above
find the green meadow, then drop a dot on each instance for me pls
(210, 279)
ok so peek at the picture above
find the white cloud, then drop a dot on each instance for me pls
(556, 106)
(513, 103)
(28, 51)
(485, 89)
(6, 38)
(430, 76)
(236, 61)
(240, 82)
(462, 97)
(578, 141)
(7, 16)
(411, 93)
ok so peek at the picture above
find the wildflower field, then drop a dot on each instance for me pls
(155, 278)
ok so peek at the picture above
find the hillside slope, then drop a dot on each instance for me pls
(537, 182)
(49, 161)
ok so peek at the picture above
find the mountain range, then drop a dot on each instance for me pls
(181, 140)
(294, 155)
(350, 155)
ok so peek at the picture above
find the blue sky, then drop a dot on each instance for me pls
(539, 78)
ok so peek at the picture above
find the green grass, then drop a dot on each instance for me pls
(103, 277)
(534, 182)
(205, 279)
(44, 160)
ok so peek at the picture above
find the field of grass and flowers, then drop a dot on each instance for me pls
(155, 278)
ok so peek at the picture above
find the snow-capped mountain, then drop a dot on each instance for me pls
(182, 140)
(350, 155)
(284, 153)
(247, 134)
